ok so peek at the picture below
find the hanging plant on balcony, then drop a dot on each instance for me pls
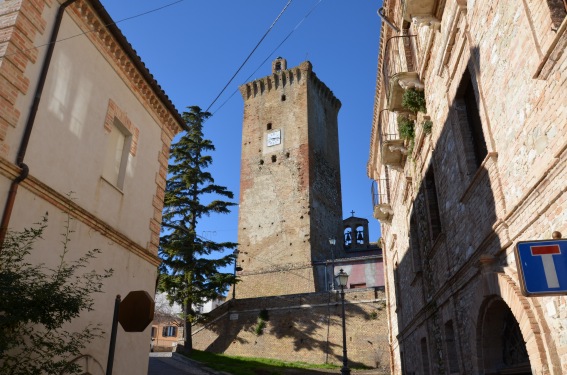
(406, 127)
(427, 126)
(414, 101)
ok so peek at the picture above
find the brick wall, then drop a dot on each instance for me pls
(20, 23)
(301, 327)
(290, 201)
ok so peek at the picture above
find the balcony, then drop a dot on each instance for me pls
(398, 84)
(381, 201)
(394, 152)
(393, 149)
(422, 12)
(399, 70)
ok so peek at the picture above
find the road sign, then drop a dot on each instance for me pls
(542, 267)
(136, 311)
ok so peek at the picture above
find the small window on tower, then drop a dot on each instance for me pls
(269, 126)
(283, 98)
(274, 158)
(278, 66)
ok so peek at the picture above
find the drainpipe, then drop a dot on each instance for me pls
(24, 170)
(382, 15)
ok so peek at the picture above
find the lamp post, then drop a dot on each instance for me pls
(236, 268)
(332, 242)
(342, 279)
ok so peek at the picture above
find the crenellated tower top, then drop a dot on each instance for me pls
(282, 77)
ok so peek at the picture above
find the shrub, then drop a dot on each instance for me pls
(263, 317)
(260, 325)
(414, 101)
(411, 146)
(406, 127)
(37, 303)
(427, 126)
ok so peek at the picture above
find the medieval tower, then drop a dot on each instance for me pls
(290, 194)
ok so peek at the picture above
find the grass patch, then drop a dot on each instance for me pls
(248, 365)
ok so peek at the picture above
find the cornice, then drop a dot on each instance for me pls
(65, 204)
(384, 33)
(109, 40)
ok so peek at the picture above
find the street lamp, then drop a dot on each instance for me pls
(332, 242)
(236, 268)
(342, 279)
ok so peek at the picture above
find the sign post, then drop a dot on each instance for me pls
(542, 267)
(134, 313)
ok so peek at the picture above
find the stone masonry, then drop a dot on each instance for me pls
(290, 196)
(301, 327)
(490, 172)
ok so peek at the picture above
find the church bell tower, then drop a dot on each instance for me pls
(290, 193)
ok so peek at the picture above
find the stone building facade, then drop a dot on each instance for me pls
(84, 115)
(484, 169)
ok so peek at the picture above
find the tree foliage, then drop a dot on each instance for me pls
(189, 272)
(37, 301)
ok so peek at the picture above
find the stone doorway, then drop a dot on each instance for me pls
(501, 345)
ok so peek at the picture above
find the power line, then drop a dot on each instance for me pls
(91, 31)
(271, 53)
(249, 55)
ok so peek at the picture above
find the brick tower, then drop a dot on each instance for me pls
(290, 194)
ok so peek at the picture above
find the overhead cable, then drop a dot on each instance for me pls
(92, 31)
(271, 53)
(249, 55)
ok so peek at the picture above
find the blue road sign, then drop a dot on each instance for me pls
(542, 267)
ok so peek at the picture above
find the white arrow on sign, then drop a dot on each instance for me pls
(546, 253)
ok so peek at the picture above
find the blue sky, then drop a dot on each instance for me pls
(194, 47)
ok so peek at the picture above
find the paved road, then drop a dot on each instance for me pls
(165, 364)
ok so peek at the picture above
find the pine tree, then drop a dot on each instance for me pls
(187, 274)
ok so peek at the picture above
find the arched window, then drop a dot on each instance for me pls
(502, 343)
(348, 237)
(360, 235)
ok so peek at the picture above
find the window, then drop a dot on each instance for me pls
(425, 356)
(451, 348)
(117, 151)
(283, 98)
(154, 332)
(348, 237)
(414, 244)
(432, 204)
(269, 126)
(558, 11)
(169, 331)
(360, 235)
(470, 124)
(397, 289)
